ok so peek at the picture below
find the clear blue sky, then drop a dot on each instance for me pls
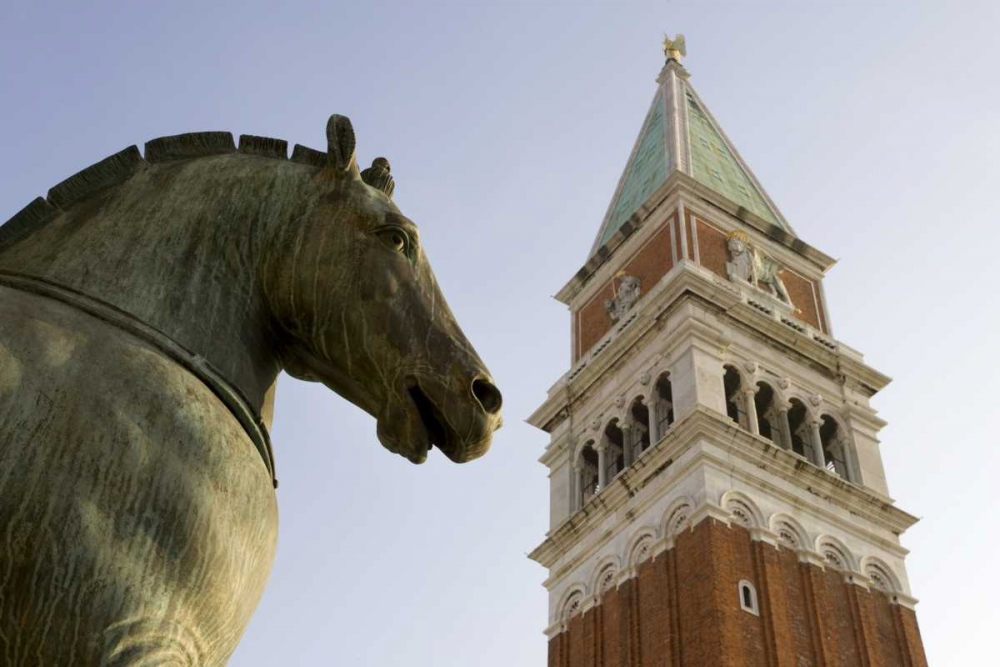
(874, 127)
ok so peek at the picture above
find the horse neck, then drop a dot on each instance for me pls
(175, 247)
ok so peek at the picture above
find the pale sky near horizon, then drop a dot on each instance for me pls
(873, 126)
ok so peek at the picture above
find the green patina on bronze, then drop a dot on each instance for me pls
(146, 309)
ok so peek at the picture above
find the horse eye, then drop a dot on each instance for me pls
(395, 239)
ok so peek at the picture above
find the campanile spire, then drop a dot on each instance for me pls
(679, 133)
(717, 489)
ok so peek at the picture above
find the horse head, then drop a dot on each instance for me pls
(356, 306)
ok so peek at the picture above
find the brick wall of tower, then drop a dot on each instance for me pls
(650, 263)
(682, 609)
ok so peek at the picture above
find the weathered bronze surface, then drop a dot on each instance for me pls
(146, 308)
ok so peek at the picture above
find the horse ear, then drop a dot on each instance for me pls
(340, 142)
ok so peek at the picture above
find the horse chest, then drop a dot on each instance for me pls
(132, 490)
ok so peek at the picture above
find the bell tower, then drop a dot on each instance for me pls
(717, 491)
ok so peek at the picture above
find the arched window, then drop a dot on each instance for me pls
(588, 473)
(748, 597)
(798, 428)
(639, 435)
(734, 399)
(614, 454)
(767, 415)
(834, 447)
(664, 405)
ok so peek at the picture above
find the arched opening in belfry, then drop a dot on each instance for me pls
(588, 476)
(767, 414)
(638, 434)
(798, 428)
(834, 447)
(614, 453)
(663, 405)
(733, 386)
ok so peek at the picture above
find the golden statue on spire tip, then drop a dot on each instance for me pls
(674, 48)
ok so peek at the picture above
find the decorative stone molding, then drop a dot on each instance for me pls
(835, 554)
(790, 532)
(678, 517)
(784, 530)
(607, 577)
(740, 514)
(642, 547)
(742, 510)
(573, 604)
(880, 575)
(645, 378)
(680, 512)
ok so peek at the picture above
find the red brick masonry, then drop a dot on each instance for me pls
(655, 258)
(650, 263)
(683, 609)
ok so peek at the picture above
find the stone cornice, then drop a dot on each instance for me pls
(727, 440)
(685, 186)
(685, 283)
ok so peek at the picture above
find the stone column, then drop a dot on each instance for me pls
(751, 409)
(628, 443)
(784, 430)
(850, 463)
(817, 443)
(575, 489)
(654, 422)
(602, 469)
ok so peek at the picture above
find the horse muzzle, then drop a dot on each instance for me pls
(430, 412)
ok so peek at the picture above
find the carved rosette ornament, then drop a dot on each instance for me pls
(626, 293)
(749, 264)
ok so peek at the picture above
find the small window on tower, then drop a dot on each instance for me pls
(748, 597)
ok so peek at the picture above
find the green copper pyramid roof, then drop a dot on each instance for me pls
(714, 165)
(679, 133)
(646, 171)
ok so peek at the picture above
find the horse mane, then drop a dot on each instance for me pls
(116, 169)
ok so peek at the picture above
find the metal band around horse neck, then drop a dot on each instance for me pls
(230, 396)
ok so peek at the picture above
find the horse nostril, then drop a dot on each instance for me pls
(487, 395)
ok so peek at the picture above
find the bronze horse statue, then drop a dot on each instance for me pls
(147, 306)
